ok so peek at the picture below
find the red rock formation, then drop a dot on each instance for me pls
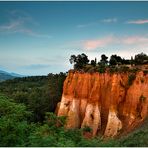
(104, 102)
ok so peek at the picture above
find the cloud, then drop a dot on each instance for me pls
(138, 22)
(135, 40)
(93, 44)
(21, 16)
(31, 33)
(108, 41)
(19, 22)
(109, 20)
(9, 26)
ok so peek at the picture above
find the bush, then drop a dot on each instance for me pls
(51, 135)
(134, 70)
(136, 139)
(145, 72)
(102, 69)
(131, 78)
(87, 129)
(123, 69)
(113, 69)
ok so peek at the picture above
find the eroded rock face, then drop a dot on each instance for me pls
(114, 124)
(104, 102)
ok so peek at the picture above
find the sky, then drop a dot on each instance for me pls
(37, 38)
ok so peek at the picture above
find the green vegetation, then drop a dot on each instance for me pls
(103, 60)
(14, 128)
(131, 78)
(27, 106)
(87, 129)
(79, 61)
(17, 130)
(115, 60)
(138, 138)
(145, 72)
(114, 64)
(141, 59)
(39, 93)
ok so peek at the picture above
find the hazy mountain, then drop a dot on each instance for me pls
(16, 75)
(5, 75)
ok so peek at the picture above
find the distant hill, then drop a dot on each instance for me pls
(5, 75)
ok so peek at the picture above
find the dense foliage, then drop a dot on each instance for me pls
(79, 61)
(39, 93)
(141, 59)
(17, 130)
(115, 62)
(13, 123)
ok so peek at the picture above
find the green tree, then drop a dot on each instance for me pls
(132, 61)
(93, 63)
(104, 60)
(14, 129)
(79, 61)
(114, 60)
(141, 58)
(39, 93)
(53, 134)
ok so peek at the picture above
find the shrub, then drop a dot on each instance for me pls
(131, 78)
(87, 129)
(102, 69)
(134, 70)
(145, 72)
(123, 69)
(113, 69)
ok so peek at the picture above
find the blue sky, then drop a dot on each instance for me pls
(37, 38)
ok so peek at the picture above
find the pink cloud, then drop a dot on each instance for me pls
(135, 40)
(93, 44)
(138, 22)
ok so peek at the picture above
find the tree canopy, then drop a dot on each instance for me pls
(141, 58)
(79, 61)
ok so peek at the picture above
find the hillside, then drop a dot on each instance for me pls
(39, 93)
(5, 75)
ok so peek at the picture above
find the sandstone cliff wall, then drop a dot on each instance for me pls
(104, 102)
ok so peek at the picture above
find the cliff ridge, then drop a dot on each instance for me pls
(109, 104)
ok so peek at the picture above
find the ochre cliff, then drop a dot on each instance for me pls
(104, 102)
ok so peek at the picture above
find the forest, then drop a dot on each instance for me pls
(27, 116)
